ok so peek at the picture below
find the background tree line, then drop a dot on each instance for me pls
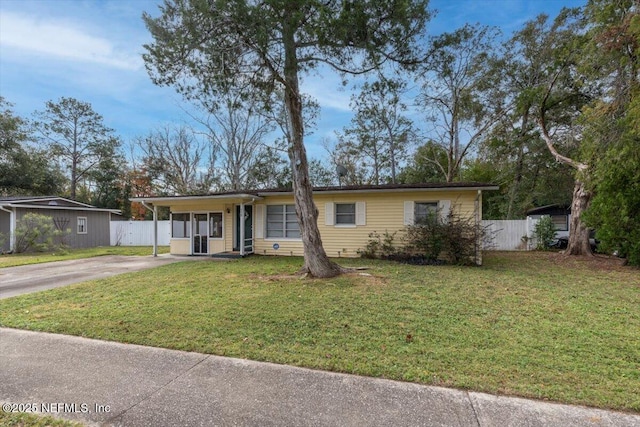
(550, 114)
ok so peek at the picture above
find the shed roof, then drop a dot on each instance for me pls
(49, 202)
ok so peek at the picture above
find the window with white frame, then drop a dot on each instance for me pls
(424, 210)
(82, 225)
(282, 222)
(345, 214)
(417, 211)
(180, 225)
(215, 225)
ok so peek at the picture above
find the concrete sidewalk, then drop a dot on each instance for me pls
(104, 383)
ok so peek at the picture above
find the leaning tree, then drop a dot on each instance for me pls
(207, 46)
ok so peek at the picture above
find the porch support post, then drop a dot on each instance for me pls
(154, 209)
(155, 231)
(12, 227)
(241, 223)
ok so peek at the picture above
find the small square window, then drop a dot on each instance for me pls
(425, 210)
(346, 213)
(82, 225)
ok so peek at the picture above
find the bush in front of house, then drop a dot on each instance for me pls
(545, 233)
(37, 233)
(432, 241)
(379, 246)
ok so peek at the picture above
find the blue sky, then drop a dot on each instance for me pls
(91, 50)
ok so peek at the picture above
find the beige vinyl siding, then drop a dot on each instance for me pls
(180, 246)
(383, 212)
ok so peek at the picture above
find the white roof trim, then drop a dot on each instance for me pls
(263, 195)
(383, 190)
(45, 199)
(188, 198)
(62, 208)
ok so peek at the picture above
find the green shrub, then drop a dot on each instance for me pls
(379, 246)
(426, 238)
(545, 233)
(37, 233)
(433, 240)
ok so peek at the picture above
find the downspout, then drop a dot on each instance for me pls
(12, 227)
(154, 209)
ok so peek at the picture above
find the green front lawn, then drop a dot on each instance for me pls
(14, 260)
(527, 324)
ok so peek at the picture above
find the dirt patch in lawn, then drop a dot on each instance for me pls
(359, 277)
(596, 262)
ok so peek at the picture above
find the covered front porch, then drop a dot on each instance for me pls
(217, 225)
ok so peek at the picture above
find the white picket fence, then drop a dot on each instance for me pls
(139, 233)
(507, 235)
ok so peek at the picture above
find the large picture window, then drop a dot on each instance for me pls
(180, 225)
(345, 213)
(282, 222)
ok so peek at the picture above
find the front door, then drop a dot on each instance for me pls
(200, 234)
(248, 229)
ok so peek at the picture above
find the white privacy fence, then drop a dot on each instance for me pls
(139, 233)
(510, 235)
(506, 235)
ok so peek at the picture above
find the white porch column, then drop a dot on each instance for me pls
(241, 223)
(155, 231)
(12, 227)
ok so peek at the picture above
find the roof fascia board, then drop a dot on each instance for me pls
(62, 208)
(48, 199)
(157, 200)
(384, 190)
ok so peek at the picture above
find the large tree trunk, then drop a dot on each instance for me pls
(579, 232)
(316, 261)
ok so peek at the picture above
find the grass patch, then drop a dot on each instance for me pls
(14, 260)
(535, 325)
(9, 419)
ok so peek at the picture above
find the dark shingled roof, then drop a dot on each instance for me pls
(258, 192)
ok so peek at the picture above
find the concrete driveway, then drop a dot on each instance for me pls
(38, 277)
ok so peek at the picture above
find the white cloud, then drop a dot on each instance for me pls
(328, 91)
(61, 40)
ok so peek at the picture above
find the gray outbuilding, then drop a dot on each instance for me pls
(87, 226)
